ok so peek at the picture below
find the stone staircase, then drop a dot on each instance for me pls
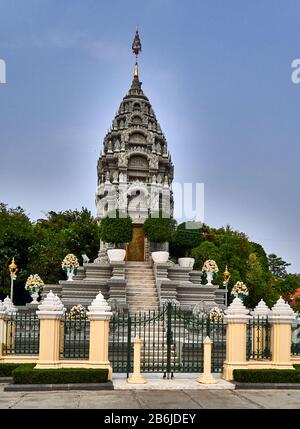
(141, 293)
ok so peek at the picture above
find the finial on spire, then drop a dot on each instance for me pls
(136, 45)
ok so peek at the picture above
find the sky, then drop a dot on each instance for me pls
(218, 75)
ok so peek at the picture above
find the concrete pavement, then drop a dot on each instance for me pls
(151, 399)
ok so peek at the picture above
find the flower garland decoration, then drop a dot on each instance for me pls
(34, 283)
(216, 314)
(210, 266)
(239, 289)
(78, 311)
(70, 261)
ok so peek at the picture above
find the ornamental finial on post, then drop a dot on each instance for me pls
(13, 269)
(226, 275)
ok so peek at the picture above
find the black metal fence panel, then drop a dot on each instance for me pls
(295, 349)
(22, 332)
(258, 339)
(172, 341)
(76, 337)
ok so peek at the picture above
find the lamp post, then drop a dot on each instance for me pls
(13, 275)
(226, 277)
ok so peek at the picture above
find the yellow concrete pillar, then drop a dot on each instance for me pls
(207, 377)
(50, 312)
(99, 315)
(136, 377)
(236, 338)
(281, 318)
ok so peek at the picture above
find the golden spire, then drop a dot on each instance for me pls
(136, 71)
(226, 275)
(136, 49)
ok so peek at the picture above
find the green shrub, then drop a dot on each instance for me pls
(26, 374)
(159, 229)
(266, 375)
(116, 229)
(6, 369)
(186, 238)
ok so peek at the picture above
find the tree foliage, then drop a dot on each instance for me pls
(278, 266)
(186, 237)
(16, 236)
(159, 229)
(117, 229)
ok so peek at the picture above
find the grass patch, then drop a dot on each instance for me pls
(267, 375)
(26, 374)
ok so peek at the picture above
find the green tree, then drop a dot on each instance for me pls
(258, 283)
(186, 237)
(16, 236)
(277, 266)
(116, 229)
(70, 231)
(159, 229)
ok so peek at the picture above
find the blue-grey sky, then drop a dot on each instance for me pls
(218, 75)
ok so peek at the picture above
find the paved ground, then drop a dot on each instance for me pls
(149, 399)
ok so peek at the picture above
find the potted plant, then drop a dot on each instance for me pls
(210, 267)
(70, 265)
(116, 230)
(159, 230)
(33, 285)
(187, 236)
(240, 290)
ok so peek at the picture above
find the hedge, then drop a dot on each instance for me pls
(267, 375)
(26, 374)
(6, 369)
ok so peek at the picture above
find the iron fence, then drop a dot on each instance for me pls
(75, 337)
(172, 341)
(258, 338)
(295, 349)
(22, 333)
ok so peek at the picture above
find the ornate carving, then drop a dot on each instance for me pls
(138, 162)
(153, 161)
(122, 160)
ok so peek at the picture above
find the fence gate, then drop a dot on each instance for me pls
(172, 341)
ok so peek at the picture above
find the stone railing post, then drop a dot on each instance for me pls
(50, 312)
(136, 377)
(259, 334)
(206, 377)
(236, 338)
(281, 318)
(99, 315)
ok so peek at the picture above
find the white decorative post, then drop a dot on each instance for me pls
(136, 377)
(2, 327)
(281, 318)
(10, 315)
(50, 313)
(206, 377)
(237, 318)
(99, 315)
